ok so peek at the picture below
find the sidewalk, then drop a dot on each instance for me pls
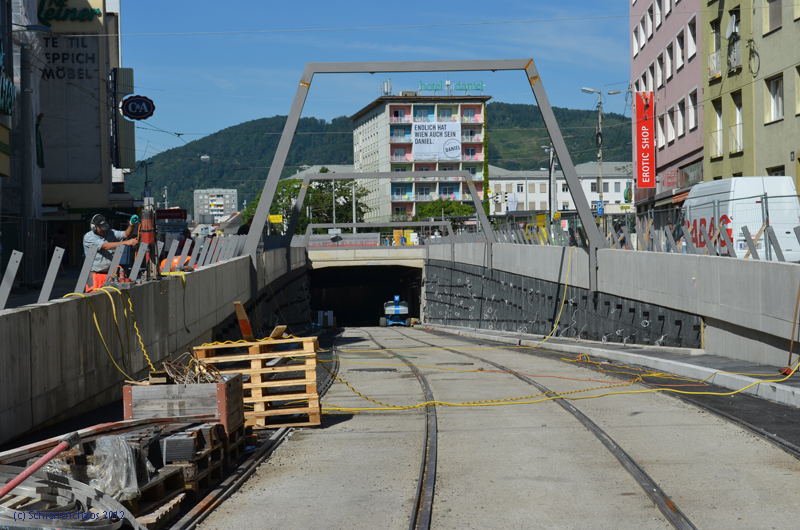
(684, 362)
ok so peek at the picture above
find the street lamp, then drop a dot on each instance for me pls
(599, 93)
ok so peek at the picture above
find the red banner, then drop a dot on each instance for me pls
(645, 140)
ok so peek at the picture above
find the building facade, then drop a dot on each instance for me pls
(410, 132)
(215, 202)
(776, 91)
(668, 60)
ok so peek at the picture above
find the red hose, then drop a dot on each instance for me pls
(69, 441)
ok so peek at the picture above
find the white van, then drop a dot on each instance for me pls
(738, 202)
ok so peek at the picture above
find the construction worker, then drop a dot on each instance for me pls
(108, 240)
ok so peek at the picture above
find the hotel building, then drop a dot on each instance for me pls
(391, 135)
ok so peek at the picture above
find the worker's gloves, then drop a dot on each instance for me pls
(134, 220)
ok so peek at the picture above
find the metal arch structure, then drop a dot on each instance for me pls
(533, 79)
(483, 220)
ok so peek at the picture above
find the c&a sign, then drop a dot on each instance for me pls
(645, 140)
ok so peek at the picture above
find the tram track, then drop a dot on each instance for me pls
(656, 494)
(423, 500)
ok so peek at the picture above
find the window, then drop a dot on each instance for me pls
(508, 188)
(693, 110)
(658, 12)
(671, 125)
(735, 135)
(649, 21)
(650, 75)
(617, 187)
(679, 51)
(642, 38)
(668, 61)
(715, 36)
(692, 32)
(520, 188)
(660, 131)
(594, 187)
(564, 188)
(797, 86)
(777, 171)
(660, 71)
(605, 188)
(565, 206)
(469, 113)
(399, 169)
(445, 113)
(715, 137)
(543, 188)
(472, 170)
(399, 113)
(424, 190)
(667, 7)
(400, 210)
(424, 168)
(773, 19)
(543, 205)
(635, 41)
(643, 84)
(681, 118)
(775, 87)
(400, 190)
(448, 190)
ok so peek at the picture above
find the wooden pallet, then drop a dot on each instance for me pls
(163, 488)
(270, 376)
(161, 516)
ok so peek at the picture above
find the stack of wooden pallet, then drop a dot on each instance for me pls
(281, 385)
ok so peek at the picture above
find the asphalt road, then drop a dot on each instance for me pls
(529, 465)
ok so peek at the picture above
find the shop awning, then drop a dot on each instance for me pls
(680, 197)
(663, 202)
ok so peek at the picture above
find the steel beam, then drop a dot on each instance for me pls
(137, 263)
(750, 244)
(773, 241)
(50, 278)
(532, 75)
(86, 270)
(8, 278)
(171, 254)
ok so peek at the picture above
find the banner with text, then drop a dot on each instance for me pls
(437, 141)
(645, 140)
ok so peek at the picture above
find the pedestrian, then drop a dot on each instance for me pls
(59, 240)
(672, 232)
(245, 228)
(107, 240)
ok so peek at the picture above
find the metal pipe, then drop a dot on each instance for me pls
(69, 440)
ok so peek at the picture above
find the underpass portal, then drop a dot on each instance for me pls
(356, 294)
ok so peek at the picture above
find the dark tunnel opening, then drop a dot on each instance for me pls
(356, 294)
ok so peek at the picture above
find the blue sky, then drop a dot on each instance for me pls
(251, 68)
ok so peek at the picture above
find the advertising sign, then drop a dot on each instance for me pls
(278, 218)
(645, 140)
(171, 213)
(437, 141)
(138, 108)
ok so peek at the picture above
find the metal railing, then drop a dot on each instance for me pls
(423, 197)
(404, 197)
(446, 118)
(422, 118)
(475, 138)
(449, 196)
(472, 119)
(399, 139)
(399, 119)
(470, 158)
(735, 140)
(403, 158)
(715, 143)
(714, 64)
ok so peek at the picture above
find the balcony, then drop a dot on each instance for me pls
(474, 139)
(424, 197)
(734, 55)
(399, 139)
(472, 158)
(714, 65)
(735, 140)
(402, 158)
(449, 196)
(446, 118)
(422, 118)
(715, 144)
(399, 119)
(406, 197)
(472, 119)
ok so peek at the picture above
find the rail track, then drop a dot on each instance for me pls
(424, 501)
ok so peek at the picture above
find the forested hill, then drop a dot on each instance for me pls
(240, 156)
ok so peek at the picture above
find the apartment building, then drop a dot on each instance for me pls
(413, 132)
(216, 202)
(776, 90)
(668, 59)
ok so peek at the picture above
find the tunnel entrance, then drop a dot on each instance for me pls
(356, 294)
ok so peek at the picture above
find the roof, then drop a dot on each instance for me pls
(587, 169)
(418, 99)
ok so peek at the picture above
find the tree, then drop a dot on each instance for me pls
(450, 208)
(318, 202)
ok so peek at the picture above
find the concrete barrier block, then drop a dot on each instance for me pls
(15, 370)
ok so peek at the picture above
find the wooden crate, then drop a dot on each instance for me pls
(268, 386)
(223, 400)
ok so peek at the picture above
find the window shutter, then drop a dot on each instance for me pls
(775, 13)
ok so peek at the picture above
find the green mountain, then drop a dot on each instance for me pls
(240, 156)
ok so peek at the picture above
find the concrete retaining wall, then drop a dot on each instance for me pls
(747, 306)
(53, 364)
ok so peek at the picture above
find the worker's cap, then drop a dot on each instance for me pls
(99, 222)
